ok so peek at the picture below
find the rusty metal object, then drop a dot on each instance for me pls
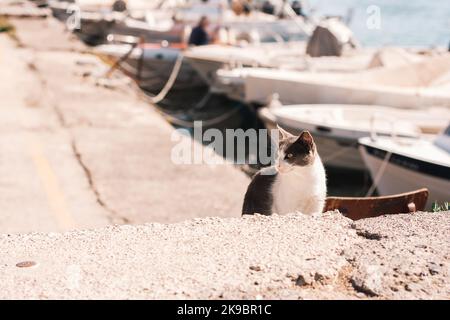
(26, 264)
(361, 208)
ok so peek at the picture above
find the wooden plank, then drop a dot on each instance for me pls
(368, 207)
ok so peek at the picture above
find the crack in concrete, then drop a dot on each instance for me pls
(114, 217)
(45, 90)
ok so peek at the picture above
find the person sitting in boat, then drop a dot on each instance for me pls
(199, 36)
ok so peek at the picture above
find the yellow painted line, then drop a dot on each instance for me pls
(55, 195)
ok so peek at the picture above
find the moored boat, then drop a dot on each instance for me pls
(274, 44)
(337, 128)
(417, 85)
(401, 164)
(151, 65)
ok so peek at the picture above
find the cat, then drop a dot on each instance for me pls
(297, 183)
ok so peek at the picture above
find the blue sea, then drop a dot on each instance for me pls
(409, 23)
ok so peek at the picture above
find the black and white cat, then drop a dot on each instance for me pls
(297, 183)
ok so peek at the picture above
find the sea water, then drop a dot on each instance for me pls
(376, 23)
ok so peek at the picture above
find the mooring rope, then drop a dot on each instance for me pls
(185, 123)
(170, 82)
(154, 100)
(339, 153)
(379, 174)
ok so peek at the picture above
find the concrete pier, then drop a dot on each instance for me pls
(78, 155)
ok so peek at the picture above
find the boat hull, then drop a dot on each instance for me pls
(259, 89)
(334, 151)
(152, 67)
(95, 32)
(155, 73)
(207, 69)
(403, 174)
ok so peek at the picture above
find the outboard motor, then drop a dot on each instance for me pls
(330, 38)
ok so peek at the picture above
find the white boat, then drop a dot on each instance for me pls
(274, 44)
(62, 9)
(404, 164)
(337, 128)
(154, 21)
(207, 60)
(416, 85)
(152, 62)
(94, 21)
(235, 81)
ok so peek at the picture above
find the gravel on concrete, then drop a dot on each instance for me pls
(257, 257)
(405, 255)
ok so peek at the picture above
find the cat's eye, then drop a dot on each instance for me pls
(289, 155)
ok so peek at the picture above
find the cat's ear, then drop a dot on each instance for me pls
(306, 138)
(283, 134)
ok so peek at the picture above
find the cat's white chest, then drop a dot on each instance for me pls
(301, 190)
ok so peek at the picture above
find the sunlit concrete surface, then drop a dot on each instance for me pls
(74, 154)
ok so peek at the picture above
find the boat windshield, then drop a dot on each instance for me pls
(270, 32)
(286, 31)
